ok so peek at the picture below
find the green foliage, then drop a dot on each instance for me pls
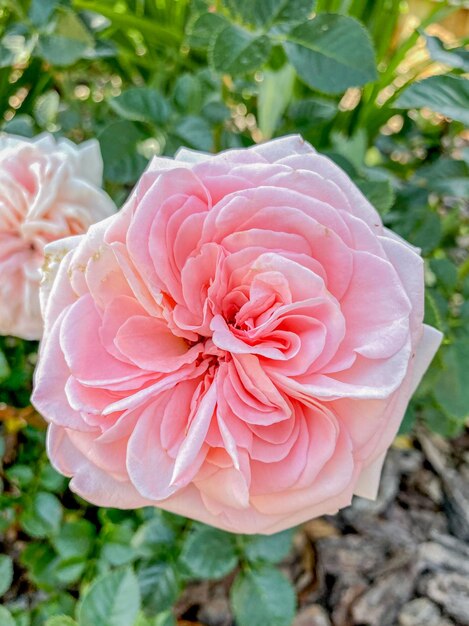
(61, 620)
(331, 53)
(379, 192)
(457, 58)
(159, 585)
(153, 537)
(75, 539)
(112, 600)
(141, 104)
(42, 515)
(65, 41)
(119, 147)
(209, 553)
(445, 94)
(262, 596)
(17, 359)
(146, 78)
(452, 388)
(266, 13)
(6, 573)
(236, 51)
(269, 549)
(6, 618)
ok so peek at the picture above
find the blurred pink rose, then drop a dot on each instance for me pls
(48, 190)
(238, 345)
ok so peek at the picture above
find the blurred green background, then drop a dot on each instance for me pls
(378, 85)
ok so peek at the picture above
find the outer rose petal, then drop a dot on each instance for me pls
(89, 481)
(249, 338)
(368, 483)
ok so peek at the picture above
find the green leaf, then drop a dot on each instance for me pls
(275, 93)
(457, 58)
(457, 187)
(446, 273)
(6, 573)
(209, 553)
(268, 12)
(60, 51)
(188, 93)
(268, 548)
(4, 367)
(262, 596)
(464, 311)
(51, 480)
(40, 560)
(68, 41)
(142, 620)
(141, 104)
(215, 112)
(444, 94)
(49, 510)
(55, 605)
(7, 56)
(408, 422)
(22, 475)
(22, 618)
(195, 132)
(116, 548)
(291, 11)
(69, 25)
(165, 619)
(61, 620)
(204, 29)
(331, 53)
(43, 516)
(235, 51)
(40, 11)
(152, 537)
(159, 586)
(449, 177)
(428, 234)
(69, 570)
(20, 125)
(162, 619)
(343, 162)
(353, 148)
(112, 600)
(442, 424)
(6, 618)
(46, 108)
(75, 539)
(379, 192)
(122, 162)
(436, 309)
(452, 386)
(312, 112)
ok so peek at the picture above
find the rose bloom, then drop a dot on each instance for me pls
(237, 345)
(48, 190)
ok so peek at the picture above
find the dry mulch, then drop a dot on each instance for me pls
(402, 560)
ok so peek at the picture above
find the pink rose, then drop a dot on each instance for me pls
(238, 345)
(48, 190)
